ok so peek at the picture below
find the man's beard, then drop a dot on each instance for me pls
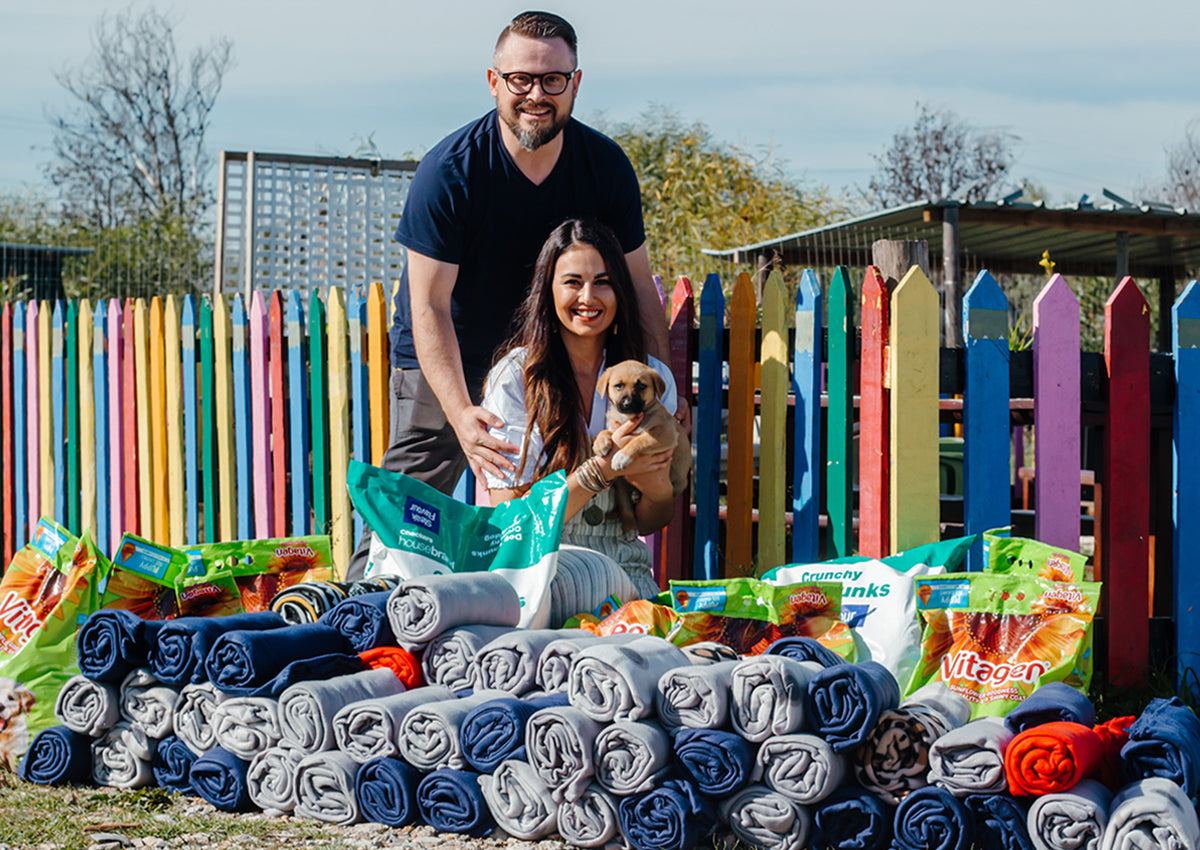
(532, 139)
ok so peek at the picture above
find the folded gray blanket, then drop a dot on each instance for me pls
(696, 697)
(449, 659)
(87, 707)
(1152, 812)
(146, 701)
(558, 743)
(1070, 820)
(429, 736)
(245, 726)
(554, 664)
(590, 821)
(306, 709)
(421, 608)
(519, 800)
(325, 788)
(767, 695)
(194, 716)
(121, 757)
(764, 818)
(632, 756)
(271, 779)
(509, 663)
(970, 759)
(370, 728)
(620, 681)
(801, 767)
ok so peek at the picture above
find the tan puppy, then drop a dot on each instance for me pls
(633, 388)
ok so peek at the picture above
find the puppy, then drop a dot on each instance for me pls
(633, 388)
(15, 702)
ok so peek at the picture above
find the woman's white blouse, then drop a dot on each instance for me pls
(504, 395)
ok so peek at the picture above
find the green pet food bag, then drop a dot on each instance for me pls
(1006, 554)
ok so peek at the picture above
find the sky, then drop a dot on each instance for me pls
(1092, 92)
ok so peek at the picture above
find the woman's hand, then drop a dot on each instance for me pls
(649, 473)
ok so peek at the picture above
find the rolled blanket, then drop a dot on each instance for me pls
(558, 743)
(970, 759)
(805, 649)
(386, 789)
(149, 703)
(932, 818)
(1152, 812)
(373, 585)
(764, 818)
(620, 681)
(429, 736)
(449, 659)
(696, 697)
(998, 822)
(519, 801)
(307, 601)
(87, 707)
(554, 664)
(245, 726)
(243, 663)
(325, 788)
(422, 608)
(590, 821)
(370, 728)
(194, 712)
(1165, 741)
(767, 695)
(803, 768)
(452, 801)
(219, 777)
(717, 761)
(306, 709)
(58, 754)
(1050, 703)
(177, 657)
(632, 757)
(674, 816)
(1070, 820)
(709, 652)
(852, 818)
(363, 620)
(121, 757)
(112, 642)
(894, 758)
(844, 702)
(171, 764)
(400, 661)
(271, 779)
(509, 663)
(1114, 735)
(1052, 757)
(495, 731)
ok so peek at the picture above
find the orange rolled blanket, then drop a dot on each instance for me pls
(1051, 758)
(1113, 735)
(400, 661)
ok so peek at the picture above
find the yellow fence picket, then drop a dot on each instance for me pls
(339, 430)
(176, 507)
(378, 370)
(772, 450)
(87, 419)
(223, 373)
(739, 492)
(158, 421)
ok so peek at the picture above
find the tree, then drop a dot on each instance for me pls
(1183, 170)
(699, 193)
(941, 157)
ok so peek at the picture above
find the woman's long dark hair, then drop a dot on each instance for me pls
(552, 399)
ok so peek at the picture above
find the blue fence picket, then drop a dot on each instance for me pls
(19, 435)
(242, 423)
(58, 417)
(191, 446)
(986, 424)
(708, 429)
(1185, 474)
(298, 414)
(806, 452)
(360, 414)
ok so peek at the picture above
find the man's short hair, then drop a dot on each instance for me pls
(538, 25)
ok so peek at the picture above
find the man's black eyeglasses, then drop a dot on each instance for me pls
(552, 82)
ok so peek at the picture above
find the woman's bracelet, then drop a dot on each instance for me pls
(590, 476)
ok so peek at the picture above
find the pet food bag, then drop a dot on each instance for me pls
(1006, 554)
(143, 579)
(419, 530)
(994, 638)
(245, 575)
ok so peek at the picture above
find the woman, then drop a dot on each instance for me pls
(580, 315)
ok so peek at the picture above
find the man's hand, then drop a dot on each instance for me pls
(483, 451)
(683, 413)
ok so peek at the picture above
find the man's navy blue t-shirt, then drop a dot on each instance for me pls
(470, 205)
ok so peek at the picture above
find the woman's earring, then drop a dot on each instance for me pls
(614, 329)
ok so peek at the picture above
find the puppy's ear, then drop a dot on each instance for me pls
(660, 386)
(26, 697)
(602, 382)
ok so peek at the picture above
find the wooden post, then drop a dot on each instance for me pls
(806, 445)
(772, 473)
(874, 407)
(952, 284)
(839, 484)
(1122, 254)
(1185, 329)
(677, 536)
(739, 456)
(894, 258)
(708, 430)
(1166, 299)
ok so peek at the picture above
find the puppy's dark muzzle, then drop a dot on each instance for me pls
(631, 405)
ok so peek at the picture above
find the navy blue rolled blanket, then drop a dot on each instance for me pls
(57, 755)
(219, 777)
(673, 816)
(805, 649)
(719, 762)
(386, 789)
(852, 818)
(172, 763)
(998, 822)
(452, 801)
(177, 656)
(931, 818)
(1164, 741)
(263, 663)
(495, 731)
(363, 620)
(113, 642)
(1050, 703)
(844, 702)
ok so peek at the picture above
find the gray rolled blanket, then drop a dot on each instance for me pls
(194, 713)
(121, 757)
(245, 726)
(87, 707)
(801, 767)
(370, 728)
(764, 818)
(449, 659)
(325, 788)
(306, 709)
(146, 701)
(519, 800)
(696, 697)
(590, 821)
(421, 608)
(767, 695)
(271, 779)
(620, 681)
(429, 735)
(632, 756)
(558, 743)
(1152, 812)
(509, 663)
(970, 759)
(1070, 820)
(554, 664)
